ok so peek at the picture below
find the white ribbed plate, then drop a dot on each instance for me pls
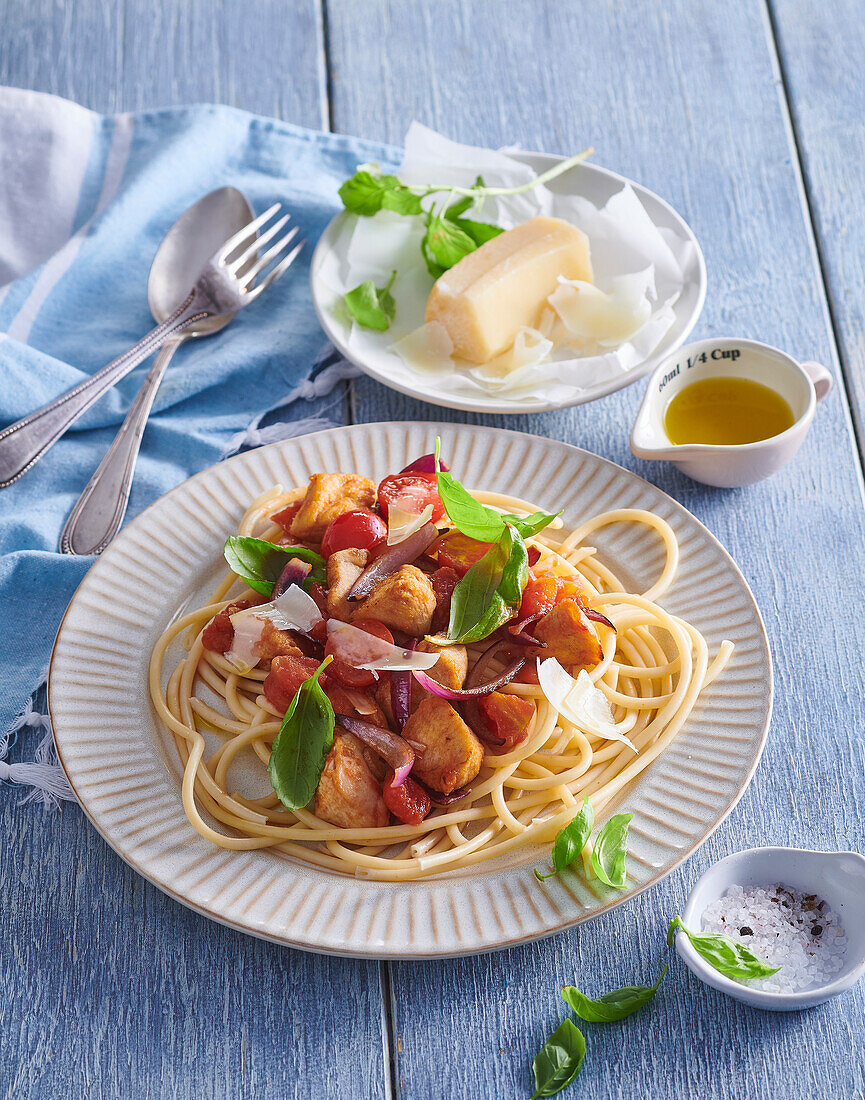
(124, 768)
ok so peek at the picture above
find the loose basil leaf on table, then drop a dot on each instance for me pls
(570, 840)
(559, 1060)
(728, 957)
(490, 592)
(476, 520)
(609, 851)
(259, 563)
(371, 306)
(615, 1005)
(304, 740)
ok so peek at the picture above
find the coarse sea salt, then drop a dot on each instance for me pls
(797, 932)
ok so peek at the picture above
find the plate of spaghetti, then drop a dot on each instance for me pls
(397, 690)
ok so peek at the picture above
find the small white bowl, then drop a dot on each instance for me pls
(802, 385)
(837, 877)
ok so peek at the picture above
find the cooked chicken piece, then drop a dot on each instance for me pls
(451, 667)
(348, 794)
(403, 601)
(343, 569)
(275, 642)
(328, 496)
(452, 754)
(449, 670)
(570, 636)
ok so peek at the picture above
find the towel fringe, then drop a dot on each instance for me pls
(44, 773)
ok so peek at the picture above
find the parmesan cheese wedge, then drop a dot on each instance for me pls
(485, 299)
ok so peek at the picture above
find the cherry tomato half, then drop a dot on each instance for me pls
(358, 530)
(347, 674)
(458, 551)
(413, 491)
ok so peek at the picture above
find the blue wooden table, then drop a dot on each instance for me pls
(748, 117)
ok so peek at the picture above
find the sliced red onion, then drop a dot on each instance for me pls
(433, 686)
(597, 617)
(391, 560)
(390, 746)
(526, 639)
(295, 572)
(400, 697)
(439, 799)
(308, 646)
(426, 464)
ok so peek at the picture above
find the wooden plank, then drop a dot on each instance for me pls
(821, 47)
(684, 100)
(111, 989)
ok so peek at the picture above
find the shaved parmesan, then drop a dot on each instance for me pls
(582, 704)
(362, 650)
(606, 319)
(293, 610)
(529, 349)
(402, 521)
(427, 348)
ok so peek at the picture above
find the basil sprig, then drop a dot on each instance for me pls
(559, 1060)
(303, 742)
(615, 1005)
(371, 306)
(476, 520)
(609, 851)
(570, 840)
(728, 957)
(491, 591)
(259, 562)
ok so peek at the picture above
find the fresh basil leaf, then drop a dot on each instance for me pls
(366, 194)
(559, 1060)
(615, 1005)
(371, 306)
(303, 742)
(570, 840)
(480, 232)
(458, 208)
(610, 849)
(259, 563)
(730, 958)
(402, 201)
(444, 244)
(490, 592)
(476, 520)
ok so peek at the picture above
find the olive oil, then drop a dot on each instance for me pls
(724, 411)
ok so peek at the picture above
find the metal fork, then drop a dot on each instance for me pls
(226, 284)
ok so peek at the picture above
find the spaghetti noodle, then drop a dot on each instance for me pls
(654, 667)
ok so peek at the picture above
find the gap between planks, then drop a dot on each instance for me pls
(805, 190)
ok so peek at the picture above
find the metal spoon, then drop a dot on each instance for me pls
(191, 241)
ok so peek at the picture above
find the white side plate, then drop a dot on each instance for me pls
(594, 183)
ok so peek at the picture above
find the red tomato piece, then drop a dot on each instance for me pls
(539, 596)
(319, 594)
(357, 530)
(409, 802)
(444, 581)
(413, 491)
(572, 590)
(457, 551)
(285, 677)
(347, 674)
(285, 517)
(528, 674)
(507, 718)
(219, 633)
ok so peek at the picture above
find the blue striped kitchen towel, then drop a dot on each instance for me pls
(84, 202)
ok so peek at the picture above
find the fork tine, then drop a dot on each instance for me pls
(277, 272)
(249, 255)
(240, 236)
(247, 277)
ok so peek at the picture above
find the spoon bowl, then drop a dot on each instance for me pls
(186, 248)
